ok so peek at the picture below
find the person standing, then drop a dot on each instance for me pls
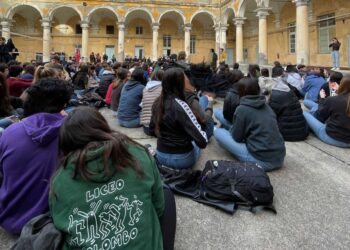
(213, 59)
(4, 52)
(222, 56)
(335, 45)
(92, 57)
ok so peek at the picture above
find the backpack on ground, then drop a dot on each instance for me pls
(244, 183)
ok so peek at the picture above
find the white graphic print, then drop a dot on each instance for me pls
(105, 226)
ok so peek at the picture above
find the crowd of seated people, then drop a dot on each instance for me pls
(69, 162)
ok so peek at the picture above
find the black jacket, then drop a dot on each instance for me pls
(332, 111)
(106, 79)
(178, 128)
(255, 124)
(231, 103)
(4, 54)
(290, 118)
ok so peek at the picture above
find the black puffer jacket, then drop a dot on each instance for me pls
(178, 128)
(290, 118)
(106, 79)
(231, 103)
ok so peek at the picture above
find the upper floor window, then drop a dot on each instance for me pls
(139, 30)
(110, 29)
(326, 31)
(167, 41)
(193, 45)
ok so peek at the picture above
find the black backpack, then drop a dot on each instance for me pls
(244, 183)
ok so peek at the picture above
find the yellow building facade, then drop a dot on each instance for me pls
(251, 31)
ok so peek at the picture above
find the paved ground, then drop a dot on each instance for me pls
(312, 197)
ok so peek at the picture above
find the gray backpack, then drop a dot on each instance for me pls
(39, 233)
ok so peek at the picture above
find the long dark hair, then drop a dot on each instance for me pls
(173, 85)
(344, 89)
(85, 129)
(5, 104)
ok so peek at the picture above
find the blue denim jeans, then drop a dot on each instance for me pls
(209, 126)
(319, 130)
(219, 115)
(335, 59)
(240, 151)
(5, 122)
(179, 161)
(130, 124)
(311, 105)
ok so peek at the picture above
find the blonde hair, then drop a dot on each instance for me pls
(43, 72)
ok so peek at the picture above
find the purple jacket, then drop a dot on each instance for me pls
(28, 158)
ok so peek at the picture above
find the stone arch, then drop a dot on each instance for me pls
(12, 10)
(226, 15)
(242, 7)
(109, 8)
(176, 11)
(74, 8)
(205, 12)
(147, 11)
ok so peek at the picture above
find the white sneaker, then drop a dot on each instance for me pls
(333, 68)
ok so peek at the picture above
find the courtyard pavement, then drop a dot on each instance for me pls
(312, 198)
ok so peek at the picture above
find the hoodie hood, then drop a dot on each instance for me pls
(131, 84)
(43, 128)
(107, 72)
(254, 101)
(280, 85)
(94, 165)
(152, 85)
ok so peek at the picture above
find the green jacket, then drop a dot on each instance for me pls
(117, 212)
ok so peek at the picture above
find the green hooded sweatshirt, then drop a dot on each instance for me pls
(120, 211)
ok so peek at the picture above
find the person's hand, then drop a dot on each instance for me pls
(322, 93)
(210, 99)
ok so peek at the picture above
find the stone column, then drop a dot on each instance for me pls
(155, 28)
(223, 30)
(239, 39)
(121, 35)
(6, 28)
(188, 39)
(217, 38)
(262, 13)
(85, 41)
(46, 24)
(302, 32)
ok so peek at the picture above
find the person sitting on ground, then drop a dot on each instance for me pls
(4, 69)
(123, 76)
(81, 79)
(302, 70)
(182, 60)
(29, 154)
(313, 83)
(15, 84)
(330, 88)
(179, 135)
(253, 71)
(7, 112)
(108, 98)
(236, 66)
(276, 68)
(202, 107)
(107, 77)
(265, 82)
(28, 73)
(287, 108)
(254, 135)
(94, 157)
(129, 109)
(295, 81)
(331, 122)
(218, 83)
(151, 92)
(93, 79)
(43, 72)
(231, 102)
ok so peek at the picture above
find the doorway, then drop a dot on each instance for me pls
(139, 52)
(230, 58)
(109, 51)
(245, 55)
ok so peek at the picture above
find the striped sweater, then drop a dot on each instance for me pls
(151, 92)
